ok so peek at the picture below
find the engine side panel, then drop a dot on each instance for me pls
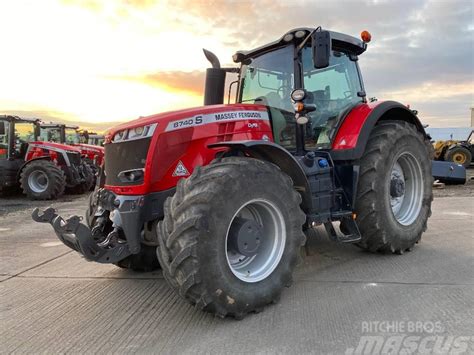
(181, 139)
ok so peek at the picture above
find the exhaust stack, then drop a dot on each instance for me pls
(215, 81)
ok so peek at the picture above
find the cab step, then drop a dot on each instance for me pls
(350, 226)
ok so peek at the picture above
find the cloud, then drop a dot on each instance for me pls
(190, 82)
(422, 51)
(57, 117)
(116, 59)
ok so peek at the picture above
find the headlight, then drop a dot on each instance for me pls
(134, 175)
(135, 133)
(300, 34)
(298, 94)
(119, 136)
(288, 37)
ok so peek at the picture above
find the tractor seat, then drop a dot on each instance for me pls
(320, 98)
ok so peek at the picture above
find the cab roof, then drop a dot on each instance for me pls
(54, 125)
(340, 41)
(11, 118)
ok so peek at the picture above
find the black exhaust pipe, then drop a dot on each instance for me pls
(215, 81)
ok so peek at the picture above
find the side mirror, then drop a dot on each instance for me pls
(321, 45)
(2, 128)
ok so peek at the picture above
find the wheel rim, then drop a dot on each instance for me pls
(459, 158)
(38, 181)
(268, 232)
(406, 189)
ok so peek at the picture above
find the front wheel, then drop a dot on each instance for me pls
(42, 180)
(87, 183)
(231, 236)
(395, 188)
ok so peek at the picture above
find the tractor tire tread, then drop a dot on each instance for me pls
(56, 175)
(186, 218)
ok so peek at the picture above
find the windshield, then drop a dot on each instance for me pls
(333, 90)
(50, 134)
(24, 134)
(268, 80)
(72, 137)
(4, 139)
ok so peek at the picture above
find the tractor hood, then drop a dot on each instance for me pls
(90, 147)
(165, 118)
(56, 146)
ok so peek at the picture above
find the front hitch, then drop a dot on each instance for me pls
(77, 236)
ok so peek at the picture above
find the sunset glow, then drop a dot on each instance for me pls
(98, 61)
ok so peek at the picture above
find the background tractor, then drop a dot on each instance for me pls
(95, 139)
(42, 169)
(226, 194)
(92, 155)
(457, 151)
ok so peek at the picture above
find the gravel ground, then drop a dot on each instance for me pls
(53, 301)
(466, 190)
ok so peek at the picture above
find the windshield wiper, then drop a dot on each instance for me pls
(302, 44)
(256, 99)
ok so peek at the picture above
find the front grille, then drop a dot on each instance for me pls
(124, 156)
(74, 158)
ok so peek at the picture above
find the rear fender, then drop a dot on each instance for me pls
(353, 134)
(277, 155)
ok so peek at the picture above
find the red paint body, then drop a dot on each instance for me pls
(190, 145)
(348, 134)
(41, 149)
(92, 152)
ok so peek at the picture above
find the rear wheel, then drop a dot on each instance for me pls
(395, 188)
(42, 180)
(94, 169)
(231, 236)
(459, 155)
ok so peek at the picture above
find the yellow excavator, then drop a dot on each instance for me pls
(456, 151)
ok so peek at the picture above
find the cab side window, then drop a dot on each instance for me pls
(268, 80)
(4, 139)
(333, 90)
(24, 133)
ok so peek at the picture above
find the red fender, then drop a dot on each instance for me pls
(354, 132)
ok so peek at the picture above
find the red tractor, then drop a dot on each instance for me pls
(96, 139)
(93, 155)
(225, 194)
(43, 170)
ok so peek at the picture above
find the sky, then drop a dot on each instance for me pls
(98, 62)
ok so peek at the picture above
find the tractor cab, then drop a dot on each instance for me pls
(15, 135)
(96, 139)
(60, 133)
(329, 84)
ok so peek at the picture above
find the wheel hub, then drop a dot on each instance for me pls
(255, 240)
(38, 181)
(245, 236)
(397, 187)
(406, 188)
(459, 158)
